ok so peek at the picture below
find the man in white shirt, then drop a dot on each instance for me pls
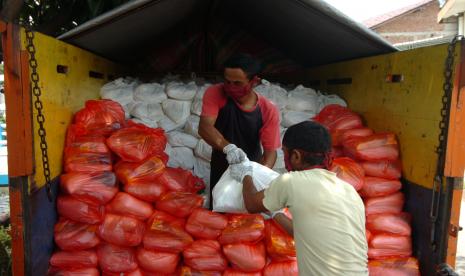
(328, 222)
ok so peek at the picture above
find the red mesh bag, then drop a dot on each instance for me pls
(383, 169)
(339, 136)
(163, 217)
(375, 186)
(136, 272)
(205, 224)
(166, 233)
(279, 245)
(336, 117)
(121, 230)
(101, 116)
(71, 235)
(394, 267)
(79, 211)
(87, 161)
(137, 142)
(187, 271)
(377, 147)
(289, 268)
(397, 224)
(349, 171)
(246, 257)
(180, 180)
(159, 262)
(127, 205)
(390, 204)
(114, 258)
(235, 272)
(74, 259)
(243, 228)
(147, 191)
(205, 255)
(93, 187)
(79, 141)
(384, 246)
(368, 235)
(145, 171)
(179, 204)
(90, 271)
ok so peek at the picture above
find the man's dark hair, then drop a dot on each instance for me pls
(245, 62)
(310, 137)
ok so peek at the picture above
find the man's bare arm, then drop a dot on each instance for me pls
(210, 134)
(285, 222)
(269, 158)
(253, 200)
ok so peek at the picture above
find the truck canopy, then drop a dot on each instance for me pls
(198, 35)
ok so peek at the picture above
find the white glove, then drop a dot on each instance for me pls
(239, 171)
(234, 155)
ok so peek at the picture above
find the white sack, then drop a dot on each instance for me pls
(303, 99)
(330, 99)
(291, 118)
(127, 109)
(177, 111)
(181, 91)
(227, 193)
(150, 93)
(203, 150)
(151, 124)
(181, 139)
(181, 157)
(120, 90)
(168, 125)
(196, 107)
(192, 126)
(202, 169)
(274, 93)
(168, 149)
(147, 111)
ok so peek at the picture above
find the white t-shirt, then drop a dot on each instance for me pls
(328, 219)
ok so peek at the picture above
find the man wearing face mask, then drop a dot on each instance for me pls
(328, 215)
(236, 120)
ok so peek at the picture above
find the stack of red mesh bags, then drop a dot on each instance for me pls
(123, 212)
(370, 163)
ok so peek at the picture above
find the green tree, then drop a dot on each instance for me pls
(54, 17)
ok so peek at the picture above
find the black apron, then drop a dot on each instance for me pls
(240, 128)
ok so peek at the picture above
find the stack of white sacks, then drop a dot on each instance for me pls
(176, 106)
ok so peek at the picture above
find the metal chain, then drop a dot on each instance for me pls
(37, 92)
(442, 137)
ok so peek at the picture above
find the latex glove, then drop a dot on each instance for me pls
(234, 155)
(273, 214)
(239, 171)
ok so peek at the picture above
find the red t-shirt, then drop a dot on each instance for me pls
(215, 99)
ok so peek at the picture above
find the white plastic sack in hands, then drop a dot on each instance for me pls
(227, 193)
(291, 118)
(181, 91)
(279, 164)
(181, 157)
(274, 93)
(177, 111)
(147, 111)
(330, 99)
(181, 139)
(168, 125)
(192, 126)
(303, 99)
(150, 93)
(151, 124)
(196, 107)
(120, 90)
(203, 150)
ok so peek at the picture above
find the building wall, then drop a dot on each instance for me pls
(417, 25)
